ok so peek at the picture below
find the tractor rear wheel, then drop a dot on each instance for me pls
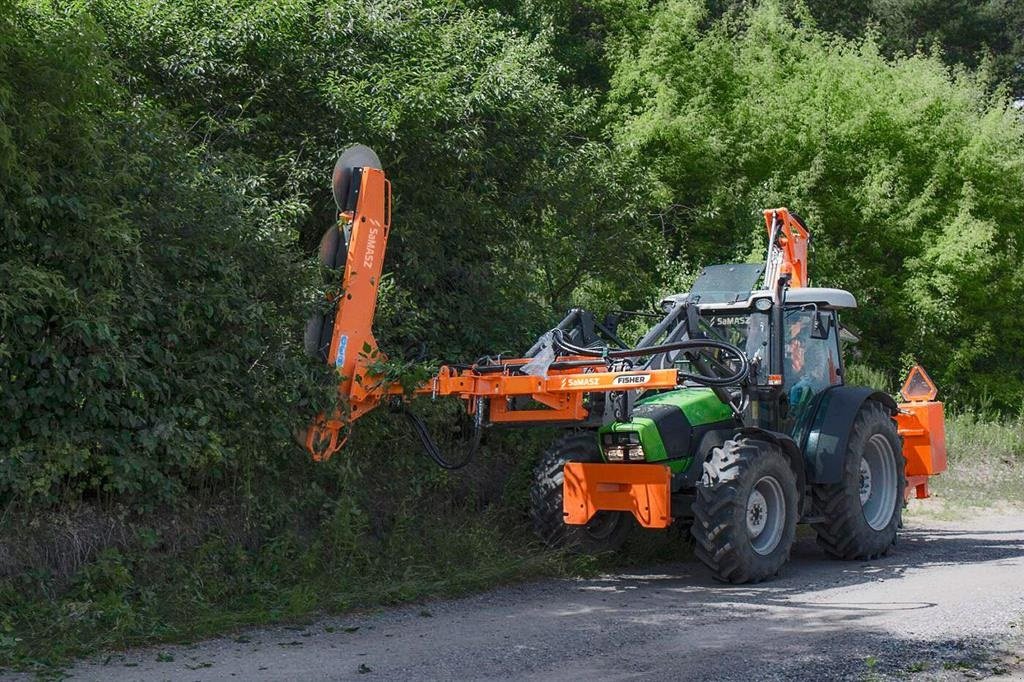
(606, 531)
(746, 511)
(861, 513)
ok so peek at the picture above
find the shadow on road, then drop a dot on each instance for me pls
(829, 619)
(809, 566)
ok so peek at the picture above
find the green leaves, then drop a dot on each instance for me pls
(145, 334)
(150, 336)
(163, 175)
(910, 177)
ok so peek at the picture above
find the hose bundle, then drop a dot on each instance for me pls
(741, 373)
(430, 446)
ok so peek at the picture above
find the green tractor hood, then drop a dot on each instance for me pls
(668, 426)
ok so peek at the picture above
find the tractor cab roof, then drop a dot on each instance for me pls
(823, 297)
(733, 286)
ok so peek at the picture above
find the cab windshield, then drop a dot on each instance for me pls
(745, 330)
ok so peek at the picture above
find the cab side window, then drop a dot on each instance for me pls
(812, 363)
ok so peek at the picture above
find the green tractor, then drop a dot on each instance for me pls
(731, 414)
(762, 436)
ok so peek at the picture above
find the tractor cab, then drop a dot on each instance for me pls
(792, 346)
(809, 341)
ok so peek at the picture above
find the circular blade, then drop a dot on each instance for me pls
(317, 337)
(356, 156)
(310, 340)
(333, 250)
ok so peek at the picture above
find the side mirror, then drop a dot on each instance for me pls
(821, 327)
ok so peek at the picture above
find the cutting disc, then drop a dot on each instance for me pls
(356, 156)
(333, 250)
(317, 337)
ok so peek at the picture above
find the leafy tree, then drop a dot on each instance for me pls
(910, 177)
(163, 183)
(163, 174)
(489, 155)
(968, 32)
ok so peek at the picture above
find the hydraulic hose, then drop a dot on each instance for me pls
(737, 377)
(430, 446)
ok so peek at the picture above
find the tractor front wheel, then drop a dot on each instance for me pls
(604, 533)
(746, 511)
(862, 512)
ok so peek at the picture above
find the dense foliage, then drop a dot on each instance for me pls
(164, 180)
(497, 185)
(146, 314)
(976, 33)
(912, 180)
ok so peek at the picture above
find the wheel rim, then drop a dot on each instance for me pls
(766, 514)
(603, 525)
(878, 482)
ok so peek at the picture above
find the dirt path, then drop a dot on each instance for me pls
(947, 604)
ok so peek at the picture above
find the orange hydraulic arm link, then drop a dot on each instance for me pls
(788, 240)
(561, 391)
(353, 348)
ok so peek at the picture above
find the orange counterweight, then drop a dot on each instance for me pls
(641, 489)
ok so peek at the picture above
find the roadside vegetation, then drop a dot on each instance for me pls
(986, 465)
(163, 186)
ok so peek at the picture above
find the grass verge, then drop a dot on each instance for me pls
(367, 530)
(985, 468)
(128, 598)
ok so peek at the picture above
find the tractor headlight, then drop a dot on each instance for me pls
(623, 446)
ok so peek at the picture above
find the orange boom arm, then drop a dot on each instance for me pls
(511, 397)
(352, 343)
(787, 247)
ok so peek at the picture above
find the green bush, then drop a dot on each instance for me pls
(503, 205)
(148, 313)
(862, 375)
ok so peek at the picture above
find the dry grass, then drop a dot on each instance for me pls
(59, 543)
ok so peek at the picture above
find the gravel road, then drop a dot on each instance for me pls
(947, 604)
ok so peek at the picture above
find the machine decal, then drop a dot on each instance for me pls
(339, 359)
(371, 245)
(631, 380)
(579, 381)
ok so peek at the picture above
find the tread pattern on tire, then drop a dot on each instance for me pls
(719, 544)
(546, 510)
(844, 533)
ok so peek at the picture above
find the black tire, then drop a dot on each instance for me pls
(726, 495)
(606, 531)
(851, 528)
